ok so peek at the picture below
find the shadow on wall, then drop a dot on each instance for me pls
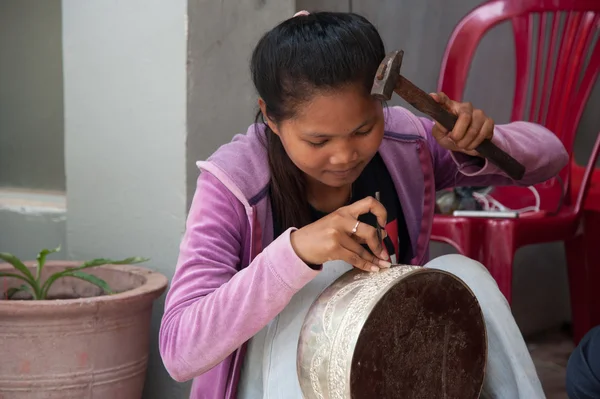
(31, 128)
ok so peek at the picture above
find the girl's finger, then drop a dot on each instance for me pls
(366, 205)
(486, 132)
(358, 257)
(369, 235)
(472, 132)
(361, 240)
(462, 123)
(378, 254)
(442, 99)
(356, 261)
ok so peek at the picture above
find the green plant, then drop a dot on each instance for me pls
(39, 290)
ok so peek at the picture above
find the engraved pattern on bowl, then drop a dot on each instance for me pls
(332, 326)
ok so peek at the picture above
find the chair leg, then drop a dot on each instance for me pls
(498, 257)
(592, 250)
(583, 262)
(577, 266)
(496, 252)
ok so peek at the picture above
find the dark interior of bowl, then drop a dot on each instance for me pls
(424, 339)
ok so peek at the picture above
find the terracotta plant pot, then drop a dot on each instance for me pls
(85, 345)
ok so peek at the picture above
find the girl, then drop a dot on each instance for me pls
(282, 211)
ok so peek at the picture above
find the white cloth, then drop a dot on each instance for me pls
(269, 369)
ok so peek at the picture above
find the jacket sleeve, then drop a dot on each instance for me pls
(536, 147)
(212, 307)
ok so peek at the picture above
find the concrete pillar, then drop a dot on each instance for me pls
(125, 135)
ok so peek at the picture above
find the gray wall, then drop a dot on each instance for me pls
(421, 29)
(31, 95)
(221, 97)
(31, 128)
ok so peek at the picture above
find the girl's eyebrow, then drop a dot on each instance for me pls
(325, 135)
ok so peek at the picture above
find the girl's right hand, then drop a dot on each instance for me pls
(332, 237)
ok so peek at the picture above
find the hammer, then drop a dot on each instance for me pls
(388, 79)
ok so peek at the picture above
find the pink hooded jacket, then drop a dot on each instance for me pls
(232, 277)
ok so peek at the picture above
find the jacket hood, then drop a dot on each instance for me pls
(242, 165)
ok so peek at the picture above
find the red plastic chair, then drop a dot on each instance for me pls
(561, 89)
(592, 201)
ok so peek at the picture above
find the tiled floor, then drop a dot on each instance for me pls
(550, 353)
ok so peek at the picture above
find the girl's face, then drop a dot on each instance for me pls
(334, 135)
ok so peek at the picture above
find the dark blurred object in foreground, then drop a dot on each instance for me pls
(459, 198)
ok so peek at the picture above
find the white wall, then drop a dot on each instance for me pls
(125, 135)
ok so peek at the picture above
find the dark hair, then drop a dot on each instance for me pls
(291, 62)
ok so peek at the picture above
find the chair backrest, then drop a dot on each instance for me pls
(557, 40)
(587, 176)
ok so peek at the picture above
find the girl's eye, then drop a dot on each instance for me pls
(364, 133)
(320, 144)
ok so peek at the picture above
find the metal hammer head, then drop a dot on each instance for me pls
(387, 75)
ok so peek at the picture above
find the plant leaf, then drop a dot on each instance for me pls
(14, 275)
(41, 259)
(86, 265)
(17, 264)
(103, 261)
(97, 281)
(22, 278)
(12, 291)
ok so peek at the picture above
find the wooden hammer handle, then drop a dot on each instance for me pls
(426, 104)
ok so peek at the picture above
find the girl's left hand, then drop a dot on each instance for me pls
(472, 126)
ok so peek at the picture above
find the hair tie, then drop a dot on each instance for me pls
(303, 12)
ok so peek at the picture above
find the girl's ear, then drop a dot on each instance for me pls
(263, 110)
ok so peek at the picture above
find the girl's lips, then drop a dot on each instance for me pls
(343, 173)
